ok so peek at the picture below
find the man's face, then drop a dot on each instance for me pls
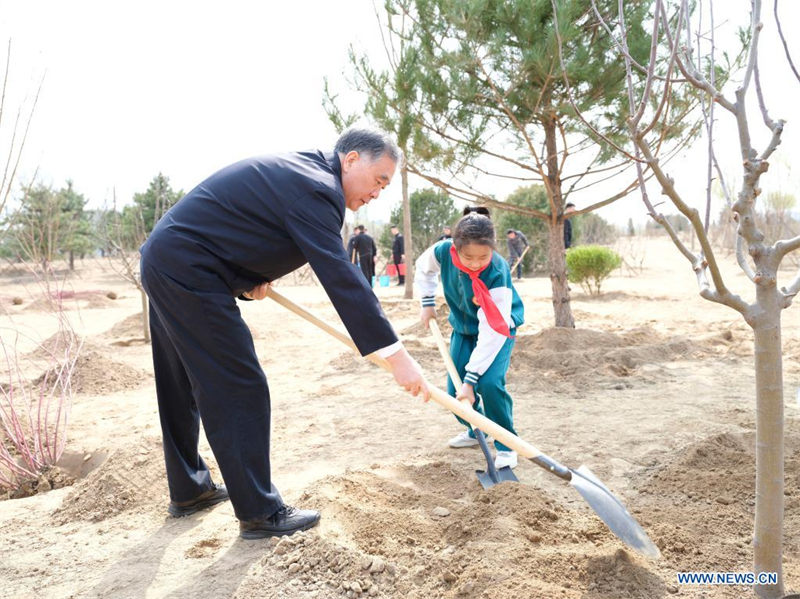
(512, 235)
(395, 230)
(363, 179)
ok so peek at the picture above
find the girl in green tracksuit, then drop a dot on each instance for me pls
(485, 311)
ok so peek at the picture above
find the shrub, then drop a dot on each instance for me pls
(590, 265)
(34, 412)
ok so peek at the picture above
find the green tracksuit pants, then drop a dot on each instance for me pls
(497, 404)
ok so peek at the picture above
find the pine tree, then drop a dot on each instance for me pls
(496, 95)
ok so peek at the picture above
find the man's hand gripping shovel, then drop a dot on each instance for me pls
(600, 499)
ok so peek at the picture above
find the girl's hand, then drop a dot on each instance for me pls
(259, 292)
(426, 314)
(467, 393)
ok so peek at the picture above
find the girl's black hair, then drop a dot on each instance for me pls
(474, 227)
(477, 209)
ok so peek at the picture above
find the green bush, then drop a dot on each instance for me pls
(590, 265)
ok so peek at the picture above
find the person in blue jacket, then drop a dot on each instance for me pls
(485, 311)
(230, 237)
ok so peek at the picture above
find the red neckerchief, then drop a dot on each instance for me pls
(481, 293)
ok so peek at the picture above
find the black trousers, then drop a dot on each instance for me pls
(206, 369)
(367, 264)
(401, 279)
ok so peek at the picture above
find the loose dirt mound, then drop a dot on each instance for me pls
(583, 354)
(129, 327)
(69, 300)
(132, 477)
(95, 374)
(701, 503)
(431, 531)
(55, 347)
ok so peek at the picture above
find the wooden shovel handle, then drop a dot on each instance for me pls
(448, 360)
(458, 408)
(521, 256)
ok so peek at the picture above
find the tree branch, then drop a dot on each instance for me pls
(791, 290)
(480, 198)
(571, 96)
(783, 41)
(785, 246)
(688, 70)
(742, 260)
(476, 197)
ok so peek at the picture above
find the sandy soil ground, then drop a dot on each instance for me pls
(654, 391)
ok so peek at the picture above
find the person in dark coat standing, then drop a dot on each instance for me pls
(398, 253)
(568, 209)
(374, 252)
(446, 234)
(351, 246)
(365, 251)
(243, 227)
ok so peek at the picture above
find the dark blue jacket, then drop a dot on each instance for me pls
(260, 219)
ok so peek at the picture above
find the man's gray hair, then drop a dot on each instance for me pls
(370, 142)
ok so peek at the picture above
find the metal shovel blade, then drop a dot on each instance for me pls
(504, 474)
(493, 475)
(612, 512)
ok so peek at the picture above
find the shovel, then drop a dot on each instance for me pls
(521, 256)
(493, 475)
(600, 499)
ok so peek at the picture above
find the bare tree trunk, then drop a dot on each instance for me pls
(768, 529)
(408, 243)
(145, 316)
(558, 276)
(556, 259)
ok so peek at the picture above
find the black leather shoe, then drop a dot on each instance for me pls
(285, 521)
(216, 494)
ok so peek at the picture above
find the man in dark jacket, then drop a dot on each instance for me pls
(243, 227)
(351, 246)
(398, 253)
(517, 242)
(568, 209)
(366, 252)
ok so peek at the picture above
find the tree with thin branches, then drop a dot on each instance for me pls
(683, 54)
(123, 232)
(497, 100)
(393, 98)
(12, 137)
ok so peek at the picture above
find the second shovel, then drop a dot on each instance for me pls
(492, 475)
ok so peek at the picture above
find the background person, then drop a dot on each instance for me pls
(517, 242)
(398, 253)
(351, 246)
(569, 208)
(365, 249)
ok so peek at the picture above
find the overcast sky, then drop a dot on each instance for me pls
(186, 87)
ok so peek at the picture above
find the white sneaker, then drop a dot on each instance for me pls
(463, 439)
(505, 458)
